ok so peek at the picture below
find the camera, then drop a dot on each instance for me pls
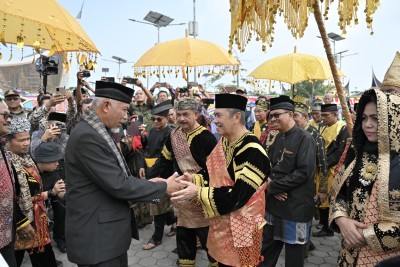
(60, 91)
(61, 127)
(130, 80)
(47, 65)
(86, 73)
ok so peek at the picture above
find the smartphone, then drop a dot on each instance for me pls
(140, 119)
(130, 80)
(194, 83)
(164, 84)
(60, 91)
(132, 128)
(109, 79)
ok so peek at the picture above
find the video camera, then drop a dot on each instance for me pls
(47, 65)
(86, 73)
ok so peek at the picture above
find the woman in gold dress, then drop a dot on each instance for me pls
(365, 195)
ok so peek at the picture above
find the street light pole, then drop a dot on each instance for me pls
(157, 20)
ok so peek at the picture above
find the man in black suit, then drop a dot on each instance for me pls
(100, 186)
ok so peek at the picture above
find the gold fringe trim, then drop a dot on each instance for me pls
(254, 17)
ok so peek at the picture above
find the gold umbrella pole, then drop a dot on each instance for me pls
(331, 59)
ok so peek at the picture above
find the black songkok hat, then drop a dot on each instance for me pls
(162, 109)
(282, 102)
(48, 152)
(57, 116)
(230, 101)
(329, 108)
(114, 91)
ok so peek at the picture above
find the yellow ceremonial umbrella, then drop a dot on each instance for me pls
(186, 52)
(258, 18)
(43, 24)
(294, 68)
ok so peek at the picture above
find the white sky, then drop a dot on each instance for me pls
(106, 22)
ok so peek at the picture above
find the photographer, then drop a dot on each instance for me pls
(143, 104)
(75, 110)
(46, 102)
(162, 94)
(56, 133)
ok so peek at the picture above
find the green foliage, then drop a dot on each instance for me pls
(309, 89)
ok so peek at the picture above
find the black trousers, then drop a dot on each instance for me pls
(121, 261)
(59, 219)
(324, 218)
(38, 259)
(159, 223)
(187, 243)
(271, 249)
(392, 262)
(8, 254)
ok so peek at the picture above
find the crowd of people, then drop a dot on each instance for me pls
(240, 183)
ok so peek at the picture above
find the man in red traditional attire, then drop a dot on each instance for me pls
(234, 197)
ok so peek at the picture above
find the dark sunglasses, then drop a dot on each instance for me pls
(276, 115)
(15, 98)
(156, 119)
(6, 115)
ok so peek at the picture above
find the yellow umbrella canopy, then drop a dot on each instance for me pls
(258, 18)
(42, 24)
(186, 52)
(294, 68)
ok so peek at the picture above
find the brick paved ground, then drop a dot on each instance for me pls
(324, 256)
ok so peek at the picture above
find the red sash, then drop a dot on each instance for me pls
(42, 236)
(235, 239)
(190, 214)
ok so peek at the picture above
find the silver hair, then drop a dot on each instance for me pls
(98, 100)
(233, 111)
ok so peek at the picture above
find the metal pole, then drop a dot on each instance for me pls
(158, 41)
(238, 75)
(194, 36)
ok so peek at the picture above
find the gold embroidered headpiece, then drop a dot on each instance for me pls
(301, 104)
(392, 76)
(262, 104)
(186, 103)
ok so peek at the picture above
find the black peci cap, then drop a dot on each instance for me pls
(114, 91)
(282, 102)
(230, 101)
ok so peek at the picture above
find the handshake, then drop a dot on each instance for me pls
(179, 188)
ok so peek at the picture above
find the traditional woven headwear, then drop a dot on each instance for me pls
(262, 104)
(19, 125)
(392, 76)
(316, 105)
(301, 104)
(186, 103)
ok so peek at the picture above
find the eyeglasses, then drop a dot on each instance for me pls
(15, 98)
(156, 119)
(276, 115)
(6, 115)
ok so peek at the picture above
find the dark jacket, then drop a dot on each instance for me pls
(293, 164)
(98, 219)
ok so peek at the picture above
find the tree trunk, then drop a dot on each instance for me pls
(339, 86)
